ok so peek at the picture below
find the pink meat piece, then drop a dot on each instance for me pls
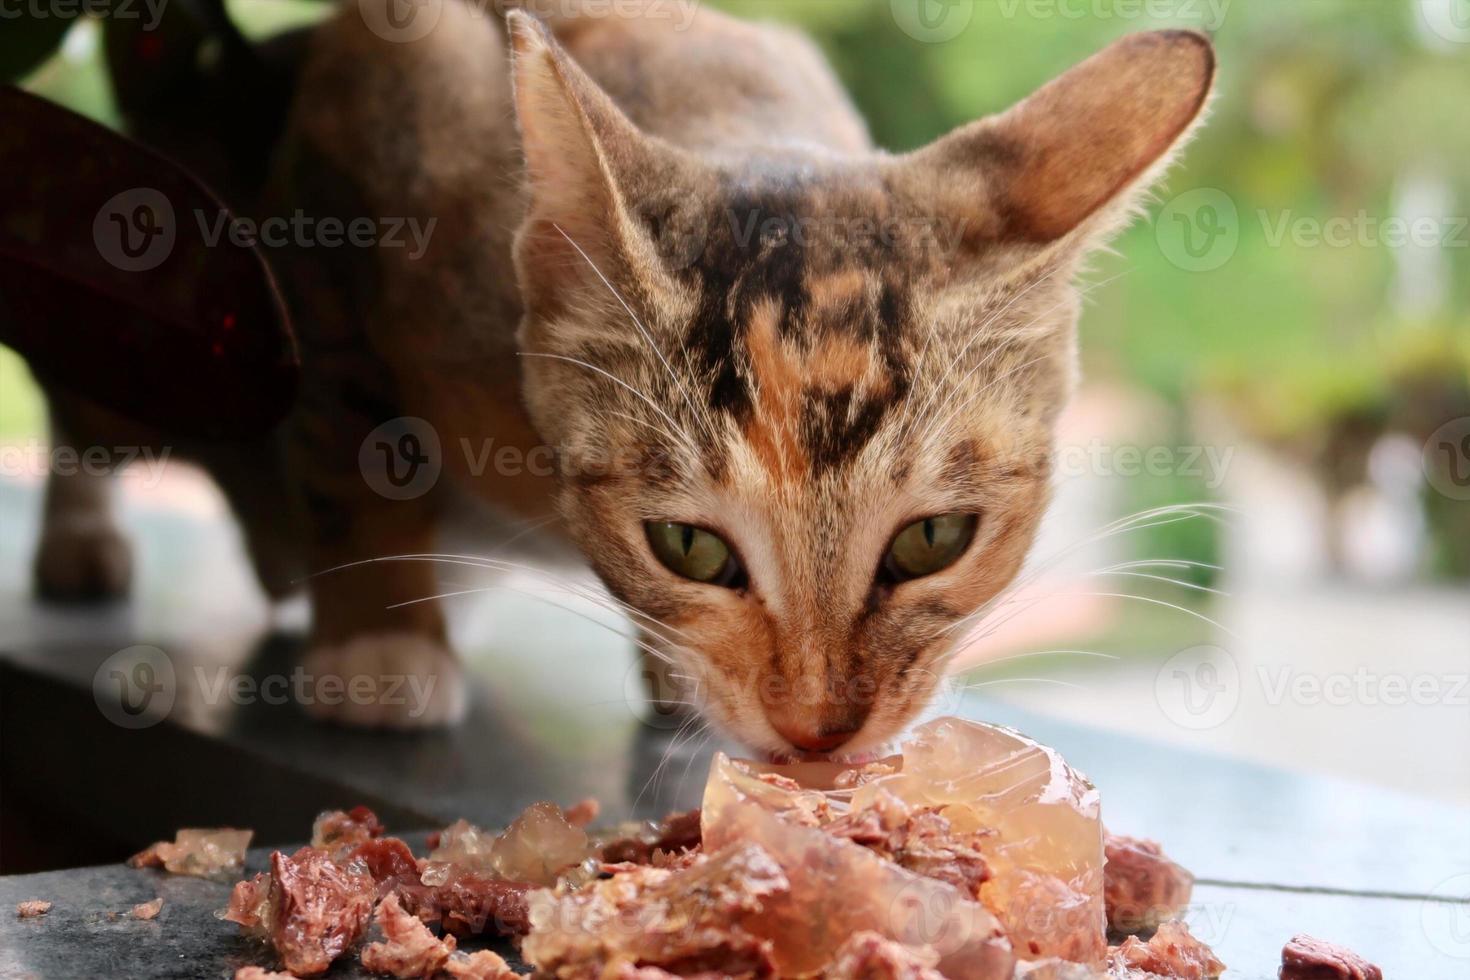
(147, 910)
(409, 949)
(1141, 886)
(32, 909)
(259, 973)
(869, 956)
(317, 909)
(1172, 953)
(690, 921)
(1308, 958)
(343, 831)
(480, 965)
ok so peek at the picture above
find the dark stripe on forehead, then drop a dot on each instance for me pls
(764, 247)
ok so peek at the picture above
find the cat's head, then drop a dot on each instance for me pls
(806, 403)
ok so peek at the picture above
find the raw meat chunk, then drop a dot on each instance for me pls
(316, 909)
(147, 910)
(805, 924)
(468, 903)
(869, 956)
(340, 832)
(410, 949)
(689, 921)
(1172, 952)
(480, 965)
(1308, 958)
(1141, 886)
(32, 909)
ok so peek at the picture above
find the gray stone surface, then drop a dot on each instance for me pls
(89, 934)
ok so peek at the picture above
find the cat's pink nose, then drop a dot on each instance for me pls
(808, 738)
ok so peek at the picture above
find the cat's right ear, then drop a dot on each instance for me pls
(584, 160)
(1066, 167)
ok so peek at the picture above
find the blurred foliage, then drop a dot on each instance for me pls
(1327, 109)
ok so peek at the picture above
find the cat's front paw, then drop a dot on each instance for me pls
(386, 680)
(83, 561)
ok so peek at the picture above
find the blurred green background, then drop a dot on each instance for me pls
(1327, 109)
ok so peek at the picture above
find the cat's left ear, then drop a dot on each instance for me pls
(588, 168)
(1068, 164)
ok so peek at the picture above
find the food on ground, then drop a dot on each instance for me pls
(975, 854)
(408, 949)
(147, 910)
(1309, 958)
(482, 964)
(202, 853)
(32, 909)
(868, 956)
(692, 920)
(1171, 952)
(1141, 886)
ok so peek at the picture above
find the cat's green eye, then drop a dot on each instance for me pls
(692, 552)
(930, 545)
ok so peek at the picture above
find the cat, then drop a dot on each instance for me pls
(800, 392)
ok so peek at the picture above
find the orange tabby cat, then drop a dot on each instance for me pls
(800, 392)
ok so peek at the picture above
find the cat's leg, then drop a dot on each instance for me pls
(82, 554)
(373, 660)
(378, 653)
